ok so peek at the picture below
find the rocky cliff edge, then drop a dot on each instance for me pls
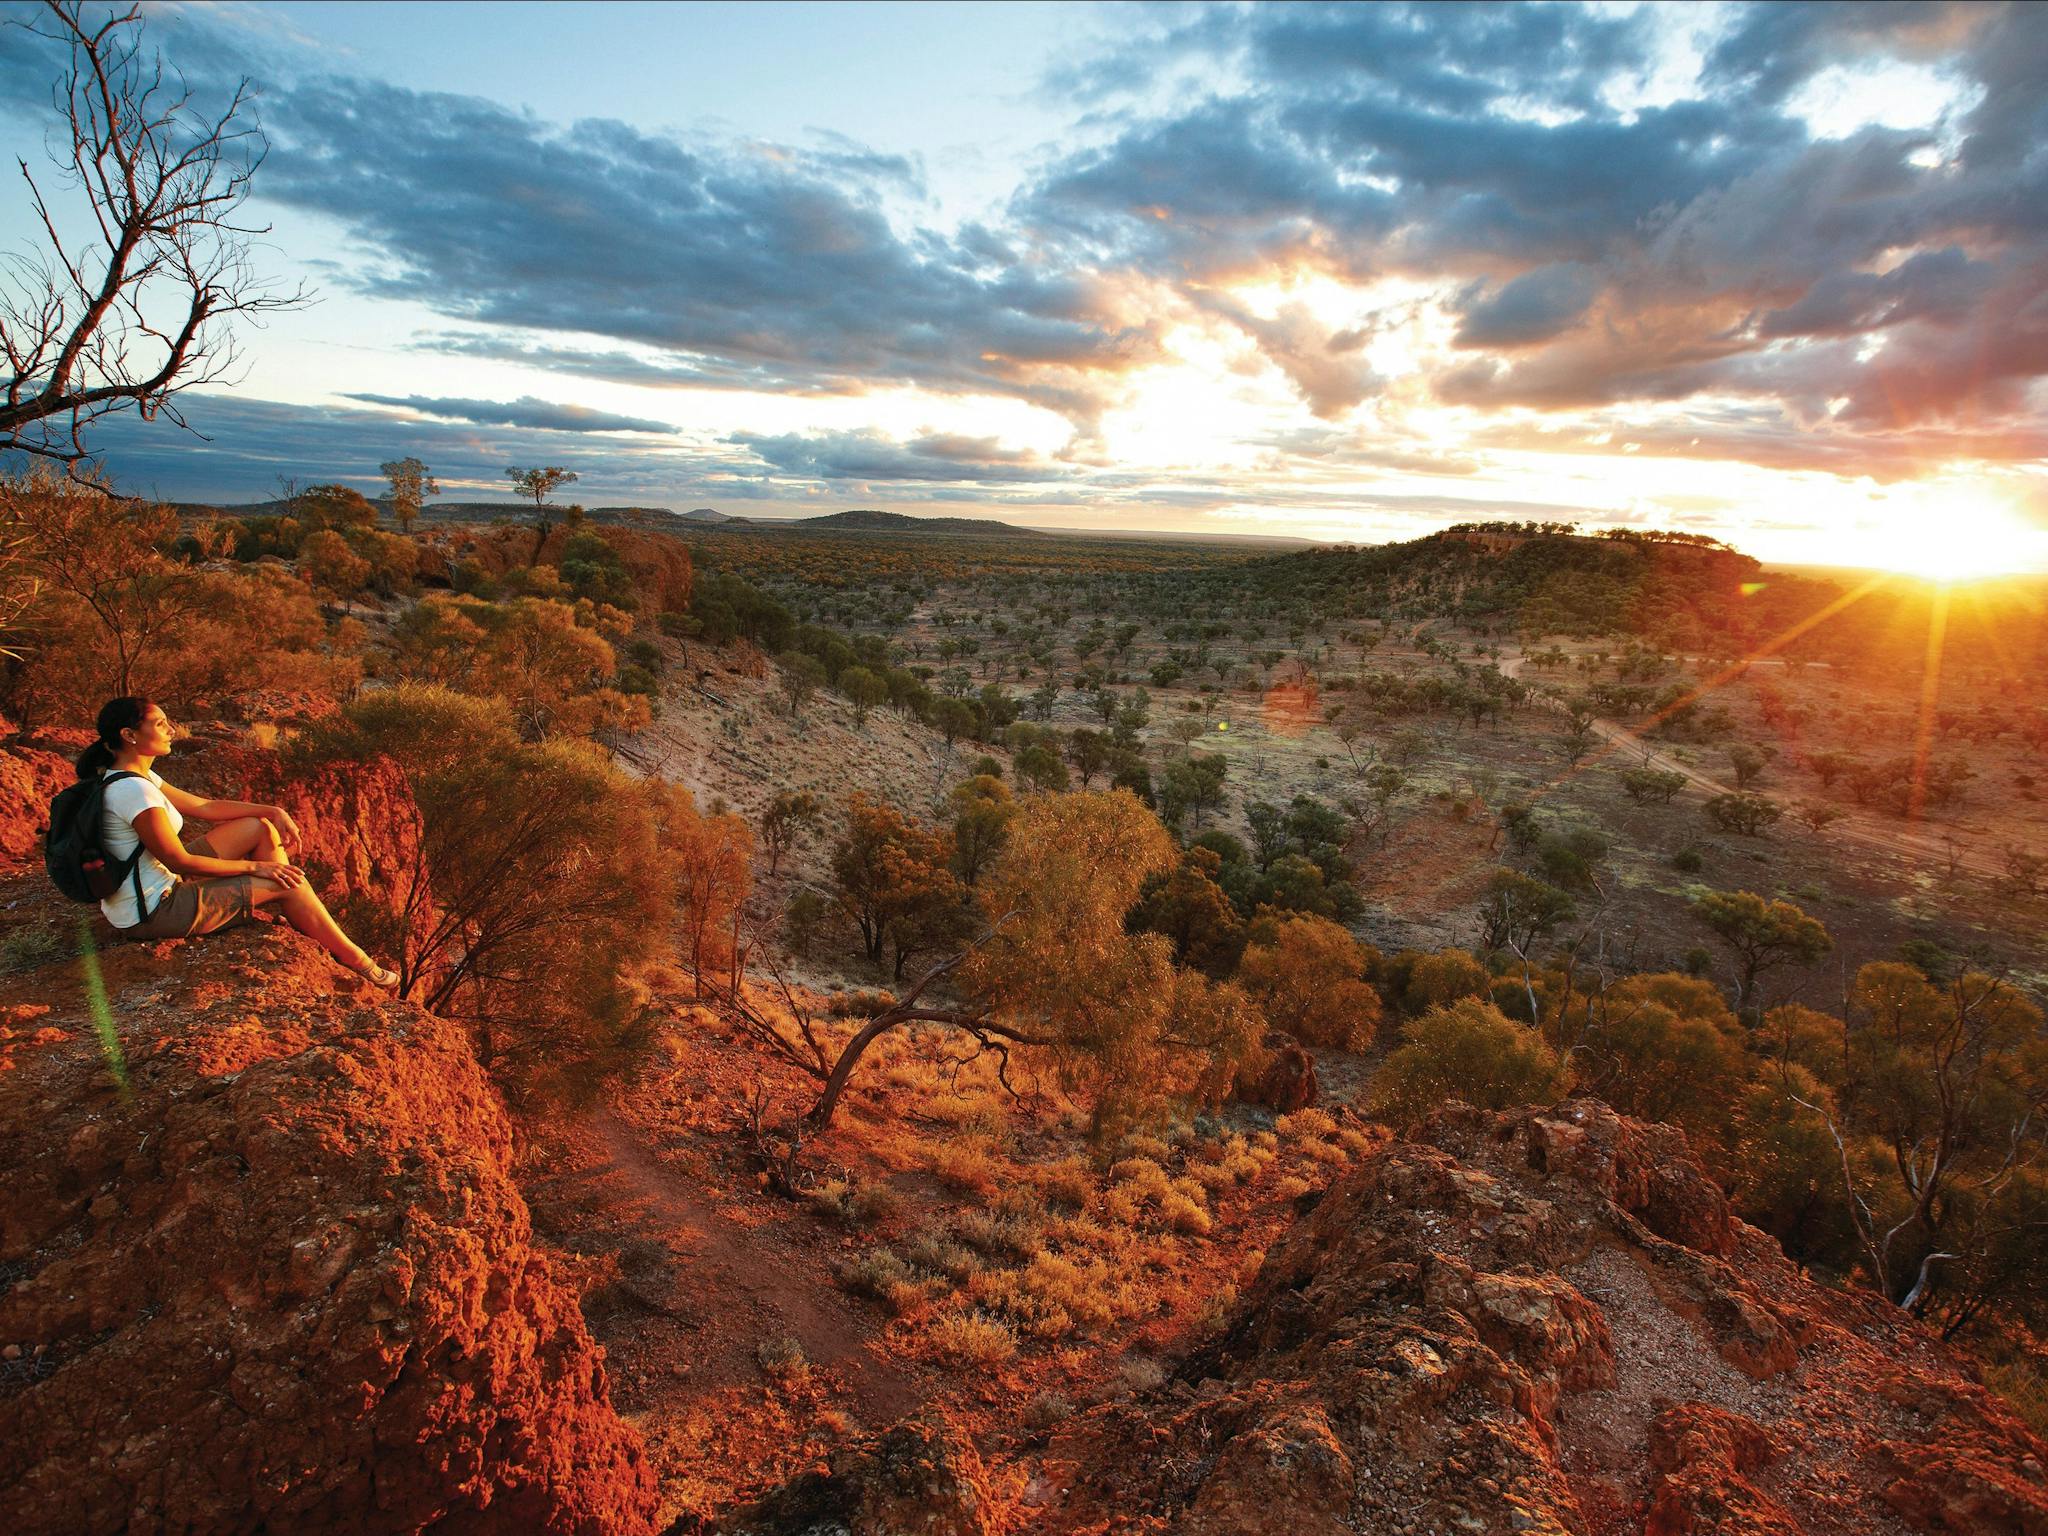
(264, 1267)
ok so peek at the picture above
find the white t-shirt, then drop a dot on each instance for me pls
(119, 806)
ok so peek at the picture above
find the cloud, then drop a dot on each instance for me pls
(874, 456)
(725, 256)
(247, 443)
(1463, 58)
(1534, 307)
(1944, 286)
(1771, 50)
(526, 411)
(1209, 192)
(1597, 248)
(641, 368)
(1592, 232)
(1327, 367)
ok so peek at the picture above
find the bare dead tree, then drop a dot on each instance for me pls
(797, 1040)
(135, 312)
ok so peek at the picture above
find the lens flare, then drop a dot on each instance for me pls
(102, 1013)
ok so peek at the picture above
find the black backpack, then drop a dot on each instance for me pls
(78, 865)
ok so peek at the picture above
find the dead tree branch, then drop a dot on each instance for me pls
(137, 310)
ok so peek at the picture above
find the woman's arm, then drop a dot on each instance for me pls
(153, 825)
(218, 811)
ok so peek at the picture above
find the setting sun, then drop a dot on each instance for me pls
(1955, 538)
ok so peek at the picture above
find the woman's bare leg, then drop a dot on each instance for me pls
(247, 837)
(305, 911)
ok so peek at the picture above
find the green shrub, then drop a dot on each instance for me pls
(783, 1359)
(1466, 1050)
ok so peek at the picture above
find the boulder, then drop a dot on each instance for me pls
(30, 778)
(921, 1478)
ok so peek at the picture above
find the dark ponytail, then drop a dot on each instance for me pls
(117, 716)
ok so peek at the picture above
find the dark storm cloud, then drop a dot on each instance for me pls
(872, 456)
(526, 411)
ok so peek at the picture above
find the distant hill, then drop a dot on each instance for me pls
(855, 520)
(864, 520)
(1692, 596)
(1509, 577)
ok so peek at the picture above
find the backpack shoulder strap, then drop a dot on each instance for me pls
(135, 858)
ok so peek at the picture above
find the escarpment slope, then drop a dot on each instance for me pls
(269, 1270)
(1547, 1322)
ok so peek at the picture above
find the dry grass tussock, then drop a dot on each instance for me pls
(1044, 1244)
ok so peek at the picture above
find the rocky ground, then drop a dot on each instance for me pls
(263, 1262)
(1539, 1321)
(1548, 1321)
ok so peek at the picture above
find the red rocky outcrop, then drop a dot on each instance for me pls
(358, 828)
(282, 1279)
(1546, 1321)
(30, 778)
(359, 831)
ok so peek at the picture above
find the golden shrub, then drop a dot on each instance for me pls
(973, 1339)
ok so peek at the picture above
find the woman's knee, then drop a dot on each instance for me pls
(267, 893)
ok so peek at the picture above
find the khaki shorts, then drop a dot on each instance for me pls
(193, 907)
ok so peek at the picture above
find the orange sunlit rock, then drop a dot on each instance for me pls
(289, 1276)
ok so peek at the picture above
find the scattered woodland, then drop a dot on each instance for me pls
(978, 944)
(862, 967)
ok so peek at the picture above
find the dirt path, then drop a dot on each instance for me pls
(732, 1282)
(1917, 849)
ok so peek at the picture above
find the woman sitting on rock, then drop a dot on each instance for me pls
(215, 881)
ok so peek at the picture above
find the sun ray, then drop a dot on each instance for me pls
(1930, 693)
(1632, 735)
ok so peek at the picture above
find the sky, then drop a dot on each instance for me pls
(1773, 273)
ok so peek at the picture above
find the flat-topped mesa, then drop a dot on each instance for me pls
(284, 1280)
(1547, 1321)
